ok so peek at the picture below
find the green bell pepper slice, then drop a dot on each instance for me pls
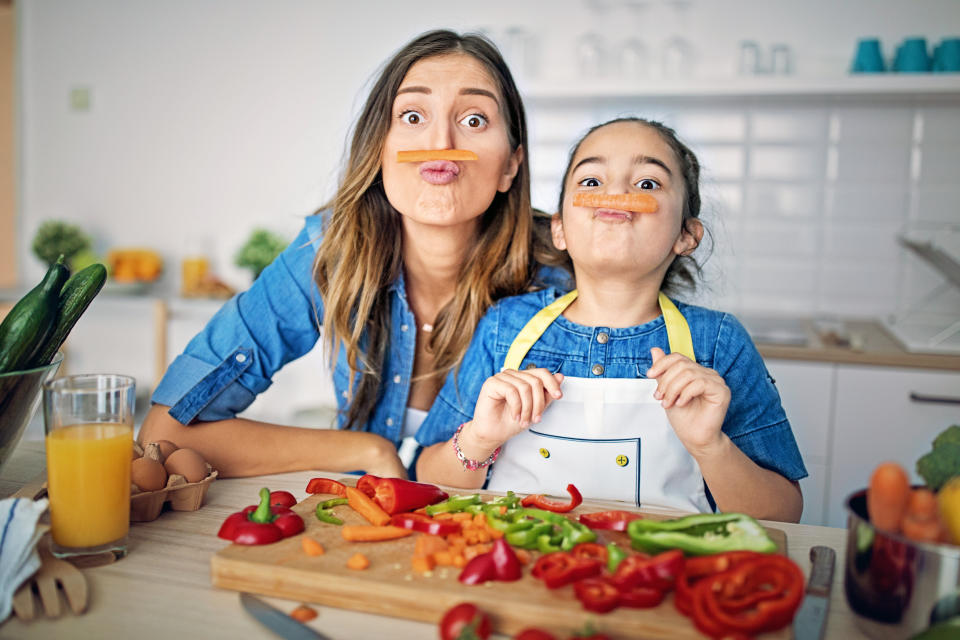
(453, 505)
(528, 538)
(615, 556)
(325, 515)
(701, 534)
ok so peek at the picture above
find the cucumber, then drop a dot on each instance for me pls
(75, 297)
(31, 321)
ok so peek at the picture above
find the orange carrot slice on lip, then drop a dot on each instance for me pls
(637, 202)
(453, 155)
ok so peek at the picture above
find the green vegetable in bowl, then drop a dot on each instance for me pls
(943, 461)
(260, 250)
(55, 238)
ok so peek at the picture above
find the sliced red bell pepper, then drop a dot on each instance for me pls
(699, 567)
(397, 496)
(641, 597)
(543, 502)
(590, 551)
(478, 570)
(368, 484)
(261, 524)
(532, 633)
(597, 594)
(326, 485)
(282, 499)
(609, 520)
(425, 524)
(505, 561)
(659, 572)
(560, 568)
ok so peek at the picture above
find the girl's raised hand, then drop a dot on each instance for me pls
(695, 399)
(511, 401)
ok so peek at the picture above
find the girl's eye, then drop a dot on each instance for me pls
(589, 182)
(648, 184)
(474, 121)
(411, 117)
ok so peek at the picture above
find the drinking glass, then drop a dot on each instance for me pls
(88, 421)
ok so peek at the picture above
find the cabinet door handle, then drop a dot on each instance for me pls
(923, 397)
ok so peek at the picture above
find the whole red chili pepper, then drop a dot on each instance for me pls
(261, 524)
(542, 502)
(397, 496)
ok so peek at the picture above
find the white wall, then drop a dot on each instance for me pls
(208, 118)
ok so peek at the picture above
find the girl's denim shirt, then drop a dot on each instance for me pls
(276, 320)
(755, 420)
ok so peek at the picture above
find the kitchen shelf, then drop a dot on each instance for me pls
(854, 85)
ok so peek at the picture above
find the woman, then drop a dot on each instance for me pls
(398, 268)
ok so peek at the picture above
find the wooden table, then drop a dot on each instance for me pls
(162, 588)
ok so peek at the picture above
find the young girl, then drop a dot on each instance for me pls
(615, 387)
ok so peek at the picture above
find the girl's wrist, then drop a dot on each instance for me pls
(473, 452)
(714, 449)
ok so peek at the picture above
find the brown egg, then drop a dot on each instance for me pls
(166, 448)
(148, 474)
(187, 463)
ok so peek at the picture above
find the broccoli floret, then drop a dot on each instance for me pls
(943, 461)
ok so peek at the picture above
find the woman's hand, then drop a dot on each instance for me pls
(509, 402)
(695, 399)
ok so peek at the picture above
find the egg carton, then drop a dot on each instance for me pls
(182, 496)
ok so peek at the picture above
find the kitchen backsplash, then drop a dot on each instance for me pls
(805, 197)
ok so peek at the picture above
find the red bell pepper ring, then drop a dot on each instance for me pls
(590, 551)
(597, 594)
(702, 566)
(659, 572)
(641, 597)
(397, 496)
(560, 568)
(326, 485)
(261, 524)
(425, 524)
(282, 499)
(541, 501)
(609, 520)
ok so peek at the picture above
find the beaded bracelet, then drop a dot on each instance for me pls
(468, 464)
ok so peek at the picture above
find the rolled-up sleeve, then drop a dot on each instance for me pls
(249, 339)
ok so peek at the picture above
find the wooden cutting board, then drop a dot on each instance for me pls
(389, 586)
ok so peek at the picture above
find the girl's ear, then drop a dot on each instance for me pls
(690, 236)
(556, 232)
(510, 171)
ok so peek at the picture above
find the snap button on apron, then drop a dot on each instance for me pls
(602, 337)
(622, 460)
(544, 453)
(597, 369)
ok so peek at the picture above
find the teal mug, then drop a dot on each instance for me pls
(868, 57)
(912, 56)
(946, 57)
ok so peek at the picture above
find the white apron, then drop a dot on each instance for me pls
(607, 436)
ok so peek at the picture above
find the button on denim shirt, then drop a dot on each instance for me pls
(252, 336)
(755, 420)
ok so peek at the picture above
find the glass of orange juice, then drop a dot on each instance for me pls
(88, 421)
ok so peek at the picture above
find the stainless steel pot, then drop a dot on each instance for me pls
(895, 586)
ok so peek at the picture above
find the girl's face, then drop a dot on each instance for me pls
(447, 102)
(625, 157)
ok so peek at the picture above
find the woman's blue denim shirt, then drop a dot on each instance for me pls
(276, 320)
(755, 420)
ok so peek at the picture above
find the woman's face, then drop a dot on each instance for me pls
(624, 157)
(447, 102)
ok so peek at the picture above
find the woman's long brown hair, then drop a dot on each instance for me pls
(362, 250)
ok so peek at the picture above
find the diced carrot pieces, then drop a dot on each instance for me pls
(303, 613)
(427, 545)
(523, 556)
(444, 558)
(358, 561)
(483, 535)
(443, 516)
(480, 520)
(495, 534)
(312, 547)
(459, 560)
(456, 540)
(422, 564)
(461, 516)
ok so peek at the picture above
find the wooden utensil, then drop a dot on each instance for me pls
(53, 572)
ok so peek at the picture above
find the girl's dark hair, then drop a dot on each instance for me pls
(684, 270)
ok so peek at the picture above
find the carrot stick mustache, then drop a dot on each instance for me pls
(453, 155)
(637, 202)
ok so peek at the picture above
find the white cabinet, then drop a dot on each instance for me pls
(884, 413)
(806, 392)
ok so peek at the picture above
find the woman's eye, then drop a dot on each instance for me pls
(589, 182)
(648, 184)
(474, 121)
(411, 117)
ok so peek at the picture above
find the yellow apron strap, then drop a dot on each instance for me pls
(532, 331)
(678, 331)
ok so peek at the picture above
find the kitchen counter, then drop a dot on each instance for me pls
(864, 341)
(162, 588)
